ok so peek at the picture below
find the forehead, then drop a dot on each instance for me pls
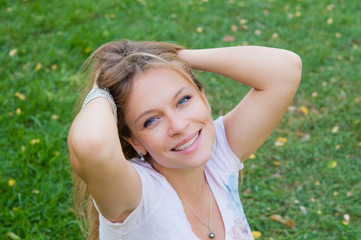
(154, 88)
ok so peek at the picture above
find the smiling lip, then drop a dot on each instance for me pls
(186, 143)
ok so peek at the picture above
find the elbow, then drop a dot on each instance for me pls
(295, 63)
(86, 148)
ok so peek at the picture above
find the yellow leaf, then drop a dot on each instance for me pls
(275, 35)
(256, 234)
(54, 67)
(285, 221)
(277, 163)
(280, 141)
(35, 141)
(252, 156)
(54, 117)
(87, 50)
(277, 218)
(18, 111)
(199, 30)
(298, 14)
(332, 164)
(11, 182)
(243, 21)
(304, 110)
(20, 96)
(38, 66)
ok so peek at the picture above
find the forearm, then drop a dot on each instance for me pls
(259, 67)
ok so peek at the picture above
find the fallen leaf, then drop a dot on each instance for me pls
(252, 156)
(285, 221)
(314, 94)
(330, 7)
(256, 234)
(13, 52)
(18, 111)
(257, 32)
(87, 50)
(329, 21)
(12, 236)
(292, 108)
(199, 30)
(228, 39)
(244, 27)
(20, 96)
(275, 35)
(276, 175)
(243, 21)
(335, 129)
(304, 110)
(303, 210)
(280, 141)
(35, 141)
(277, 163)
(38, 66)
(11, 182)
(289, 223)
(247, 191)
(277, 218)
(233, 28)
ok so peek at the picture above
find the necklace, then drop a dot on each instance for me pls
(211, 233)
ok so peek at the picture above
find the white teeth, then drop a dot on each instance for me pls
(187, 144)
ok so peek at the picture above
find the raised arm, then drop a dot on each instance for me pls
(96, 156)
(273, 74)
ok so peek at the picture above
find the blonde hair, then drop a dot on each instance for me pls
(114, 66)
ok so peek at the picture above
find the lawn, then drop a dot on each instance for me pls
(307, 172)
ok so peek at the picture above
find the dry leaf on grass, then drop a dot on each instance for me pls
(285, 221)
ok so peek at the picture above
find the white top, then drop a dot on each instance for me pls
(160, 214)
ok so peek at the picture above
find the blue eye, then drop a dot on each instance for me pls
(184, 100)
(149, 121)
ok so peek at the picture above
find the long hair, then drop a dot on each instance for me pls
(114, 66)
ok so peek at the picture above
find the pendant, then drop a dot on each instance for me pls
(212, 235)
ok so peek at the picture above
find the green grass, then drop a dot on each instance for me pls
(33, 131)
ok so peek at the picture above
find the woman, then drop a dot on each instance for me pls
(154, 162)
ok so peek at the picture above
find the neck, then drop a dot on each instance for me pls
(189, 184)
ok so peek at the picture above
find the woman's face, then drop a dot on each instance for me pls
(169, 120)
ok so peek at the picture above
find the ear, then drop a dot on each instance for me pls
(136, 145)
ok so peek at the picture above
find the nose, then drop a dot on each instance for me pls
(177, 124)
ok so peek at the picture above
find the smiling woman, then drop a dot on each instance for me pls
(163, 169)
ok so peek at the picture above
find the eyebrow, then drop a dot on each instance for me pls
(152, 110)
